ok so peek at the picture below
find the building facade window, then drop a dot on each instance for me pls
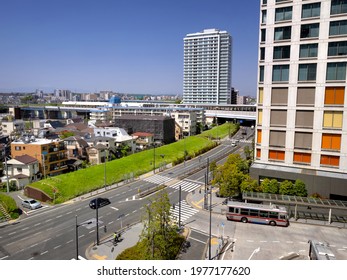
(282, 14)
(337, 48)
(303, 140)
(334, 96)
(261, 74)
(336, 71)
(302, 158)
(260, 96)
(280, 73)
(262, 53)
(260, 117)
(258, 155)
(338, 28)
(279, 96)
(310, 10)
(283, 33)
(338, 7)
(281, 52)
(304, 119)
(332, 119)
(259, 136)
(307, 72)
(278, 118)
(262, 35)
(263, 16)
(331, 141)
(276, 155)
(308, 50)
(328, 160)
(305, 96)
(309, 30)
(277, 138)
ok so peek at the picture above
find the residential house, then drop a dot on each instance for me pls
(22, 170)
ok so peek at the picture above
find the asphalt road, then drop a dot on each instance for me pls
(49, 233)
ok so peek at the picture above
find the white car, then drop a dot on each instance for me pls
(31, 204)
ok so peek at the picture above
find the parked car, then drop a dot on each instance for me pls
(99, 201)
(31, 204)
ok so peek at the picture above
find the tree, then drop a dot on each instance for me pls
(159, 238)
(300, 188)
(230, 175)
(250, 185)
(286, 187)
(270, 186)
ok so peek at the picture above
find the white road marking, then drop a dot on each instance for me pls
(203, 242)
(81, 236)
(24, 228)
(69, 213)
(45, 252)
(56, 247)
(92, 231)
(11, 233)
(57, 217)
(34, 245)
(69, 241)
(37, 224)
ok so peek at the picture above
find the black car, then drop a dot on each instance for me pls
(99, 201)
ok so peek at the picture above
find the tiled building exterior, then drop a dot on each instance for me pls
(302, 109)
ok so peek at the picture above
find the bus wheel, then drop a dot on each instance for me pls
(244, 220)
(272, 223)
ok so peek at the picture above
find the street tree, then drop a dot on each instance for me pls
(160, 238)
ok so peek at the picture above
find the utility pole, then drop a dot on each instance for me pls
(179, 207)
(210, 233)
(97, 221)
(7, 182)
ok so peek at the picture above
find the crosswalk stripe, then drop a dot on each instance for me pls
(186, 186)
(186, 211)
(157, 179)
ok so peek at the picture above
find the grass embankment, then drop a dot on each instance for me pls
(10, 206)
(77, 183)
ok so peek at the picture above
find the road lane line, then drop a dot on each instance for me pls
(57, 217)
(81, 236)
(34, 245)
(69, 241)
(92, 231)
(69, 213)
(3, 258)
(45, 252)
(25, 228)
(11, 233)
(56, 247)
(37, 224)
(203, 242)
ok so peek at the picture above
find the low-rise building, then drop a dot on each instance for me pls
(22, 170)
(51, 154)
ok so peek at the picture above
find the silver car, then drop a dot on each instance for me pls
(31, 204)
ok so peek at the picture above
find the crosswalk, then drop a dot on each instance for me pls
(246, 141)
(186, 186)
(186, 211)
(157, 179)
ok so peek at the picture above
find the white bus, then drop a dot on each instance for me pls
(257, 213)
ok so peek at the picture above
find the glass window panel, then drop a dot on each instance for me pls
(259, 136)
(306, 96)
(339, 96)
(326, 141)
(336, 71)
(303, 140)
(328, 119)
(304, 119)
(279, 96)
(278, 118)
(261, 73)
(310, 10)
(309, 30)
(308, 50)
(334, 96)
(282, 33)
(338, 27)
(336, 142)
(260, 117)
(277, 138)
(337, 120)
(337, 48)
(338, 7)
(260, 96)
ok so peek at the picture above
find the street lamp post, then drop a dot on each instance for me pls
(106, 156)
(210, 232)
(43, 165)
(77, 226)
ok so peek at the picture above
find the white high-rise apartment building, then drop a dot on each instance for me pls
(207, 67)
(301, 128)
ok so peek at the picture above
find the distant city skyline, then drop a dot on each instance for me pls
(133, 47)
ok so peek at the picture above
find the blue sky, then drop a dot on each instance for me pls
(132, 46)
